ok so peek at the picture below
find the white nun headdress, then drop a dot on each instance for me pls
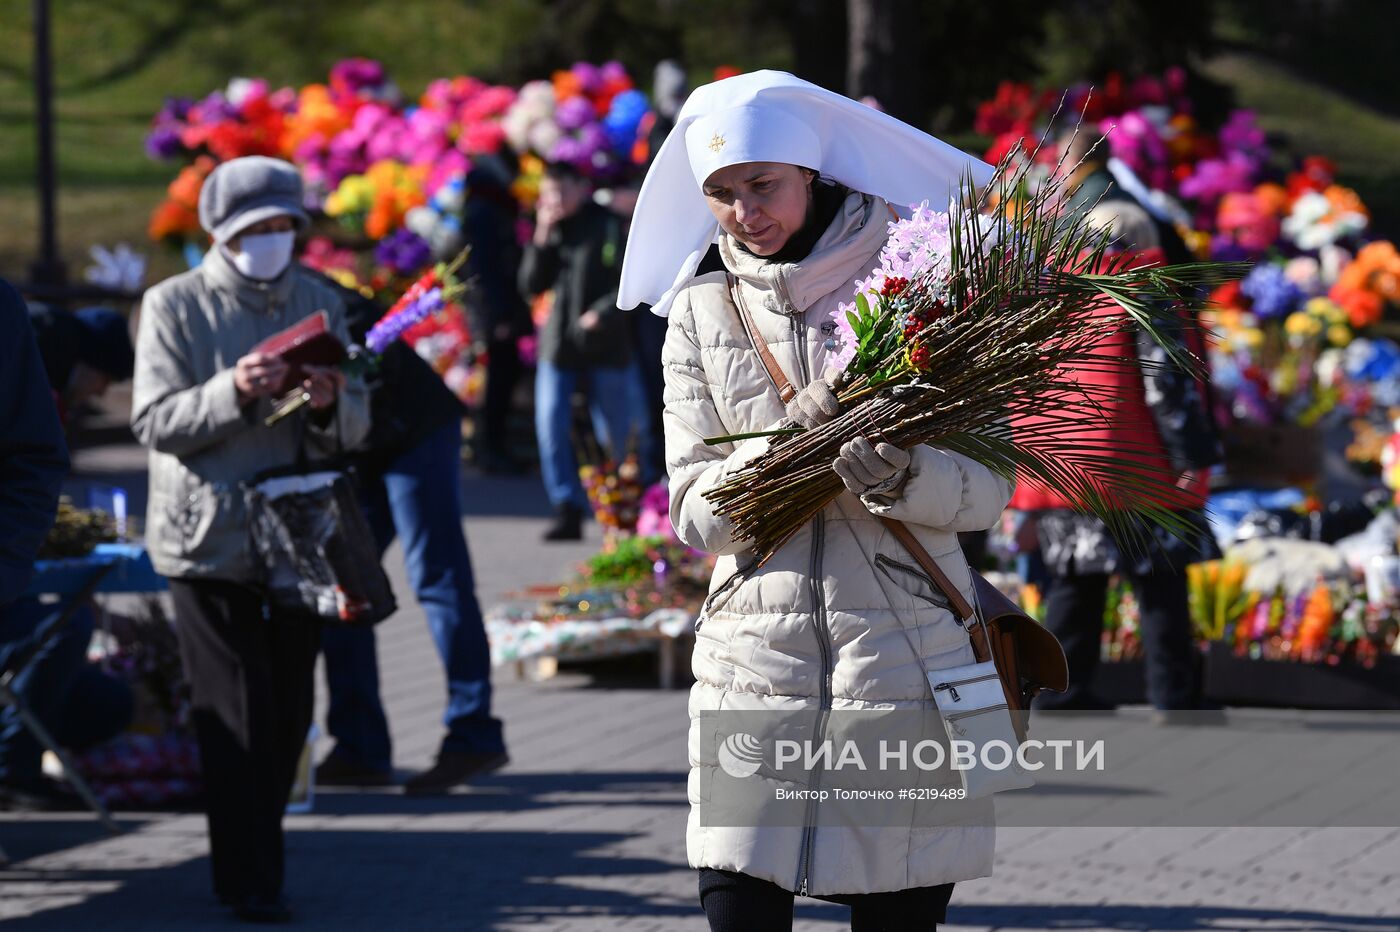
(771, 116)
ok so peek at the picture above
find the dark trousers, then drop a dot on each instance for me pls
(503, 371)
(252, 690)
(735, 902)
(418, 499)
(1074, 611)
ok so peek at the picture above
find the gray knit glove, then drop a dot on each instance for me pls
(816, 404)
(872, 469)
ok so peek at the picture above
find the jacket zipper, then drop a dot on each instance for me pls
(722, 590)
(883, 563)
(809, 828)
(953, 719)
(953, 686)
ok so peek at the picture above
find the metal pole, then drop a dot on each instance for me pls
(48, 270)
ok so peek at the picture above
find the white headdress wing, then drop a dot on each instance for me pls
(772, 116)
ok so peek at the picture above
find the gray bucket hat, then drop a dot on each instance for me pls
(242, 192)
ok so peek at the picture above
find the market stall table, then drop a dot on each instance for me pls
(519, 638)
(110, 568)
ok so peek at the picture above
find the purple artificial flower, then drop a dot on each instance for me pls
(1242, 134)
(383, 334)
(919, 247)
(213, 109)
(163, 143)
(593, 138)
(403, 252)
(589, 77)
(613, 71)
(569, 150)
(1270, 291)
(175, 110)
(573, 113)
(356, 74)
(1214, 178)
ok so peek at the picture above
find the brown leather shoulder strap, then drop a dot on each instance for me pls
(775, 371)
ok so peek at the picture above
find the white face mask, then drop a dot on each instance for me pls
(263, 256)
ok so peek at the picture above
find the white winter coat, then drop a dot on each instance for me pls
(817, 626)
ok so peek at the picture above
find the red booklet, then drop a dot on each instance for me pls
(306, 343)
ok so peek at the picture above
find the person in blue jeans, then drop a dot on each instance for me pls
(585, 344)
(410, 475)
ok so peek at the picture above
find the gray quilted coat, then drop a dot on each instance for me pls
(185, 409)
(817, 627)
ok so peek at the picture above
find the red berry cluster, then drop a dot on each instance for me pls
(893, 287)
(920, 318)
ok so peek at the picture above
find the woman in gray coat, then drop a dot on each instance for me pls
(775, 195)
(200, 397)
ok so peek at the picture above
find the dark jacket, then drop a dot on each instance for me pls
(1100, 186)
(33, 456)
(582, 262)
(408, 401)
(494, 305)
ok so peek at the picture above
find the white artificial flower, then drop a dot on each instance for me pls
(421, 221)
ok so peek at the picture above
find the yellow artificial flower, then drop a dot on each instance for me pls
(1339, 335)
(1300, 324)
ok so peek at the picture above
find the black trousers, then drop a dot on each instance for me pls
(253, 696)
(735, 902)
(1074, 611)
(503, 371)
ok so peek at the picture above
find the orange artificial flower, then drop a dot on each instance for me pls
(1345, 200)
(1273, 197)
(1363, 307)
(566, 85)
(172, 220)
(1318, 615)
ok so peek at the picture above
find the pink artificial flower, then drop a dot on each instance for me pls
(481, 138)
(451, 164)
(839, 358)
(1246, 218)
(1214, 178)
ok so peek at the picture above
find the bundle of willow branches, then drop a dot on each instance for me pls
(986, 356)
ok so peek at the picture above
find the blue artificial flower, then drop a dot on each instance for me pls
(1270, 291)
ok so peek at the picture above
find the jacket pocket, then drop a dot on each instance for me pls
(192, 518)
(913, 580)
(717, 599)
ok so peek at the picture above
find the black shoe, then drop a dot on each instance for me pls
(263, 909)
(453, 768)
(568, 524)
(338, 771)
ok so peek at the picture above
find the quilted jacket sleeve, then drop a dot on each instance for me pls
(170, 411)
(690, 416)
(947, 491)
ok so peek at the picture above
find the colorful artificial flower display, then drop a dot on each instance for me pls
(1277, 356)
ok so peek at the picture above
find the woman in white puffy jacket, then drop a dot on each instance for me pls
(775, 194)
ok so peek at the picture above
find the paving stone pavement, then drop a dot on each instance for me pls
(585, 830)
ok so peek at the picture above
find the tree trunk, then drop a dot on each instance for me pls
(873, 64)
